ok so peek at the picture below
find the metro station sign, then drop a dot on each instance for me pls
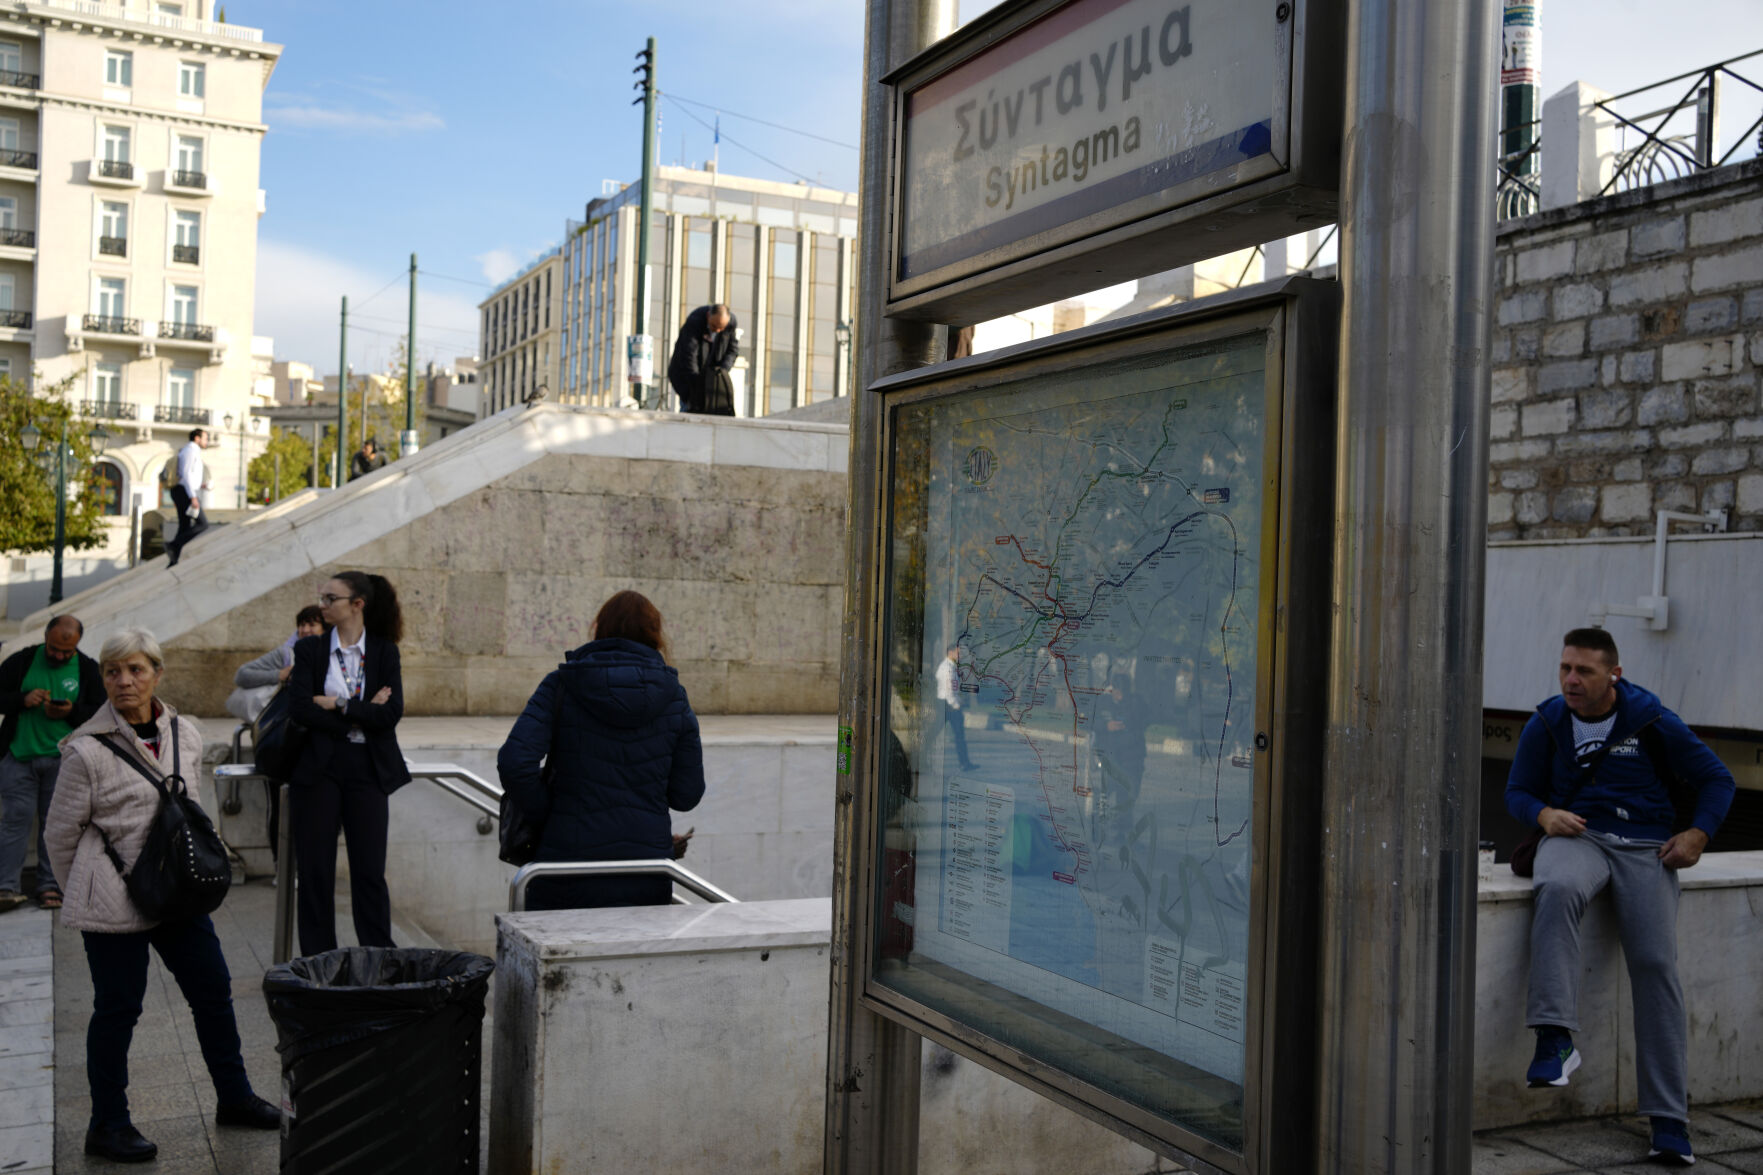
(1049, 148)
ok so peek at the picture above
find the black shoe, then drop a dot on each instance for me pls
(256, 1113)
(119, 1144)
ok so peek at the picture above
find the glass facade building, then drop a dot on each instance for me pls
(782, 256)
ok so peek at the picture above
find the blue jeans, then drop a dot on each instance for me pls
(118, 962)
(26, 787)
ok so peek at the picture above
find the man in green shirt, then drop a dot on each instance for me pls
(46, 691)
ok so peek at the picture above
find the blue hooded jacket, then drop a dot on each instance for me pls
(1626, 797)
(624, 748)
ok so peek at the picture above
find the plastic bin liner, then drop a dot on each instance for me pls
(381, 1059)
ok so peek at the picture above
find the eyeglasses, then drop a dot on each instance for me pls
(325, 599)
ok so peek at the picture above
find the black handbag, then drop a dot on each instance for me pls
(277, 740)
(517, 833)
(183, 869)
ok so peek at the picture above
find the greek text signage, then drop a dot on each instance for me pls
(1062, 122)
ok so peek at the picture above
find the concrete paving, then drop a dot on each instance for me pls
(44, 1102)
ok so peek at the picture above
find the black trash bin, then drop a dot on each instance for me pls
(380, 1059)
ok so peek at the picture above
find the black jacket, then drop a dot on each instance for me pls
(311, 663)
(696, 351)
(12, 671)
(624, 748)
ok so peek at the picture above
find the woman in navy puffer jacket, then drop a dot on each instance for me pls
(623, 748)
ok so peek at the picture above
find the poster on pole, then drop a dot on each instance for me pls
(1052, 148)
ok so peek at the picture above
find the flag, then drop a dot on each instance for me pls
(718, 138)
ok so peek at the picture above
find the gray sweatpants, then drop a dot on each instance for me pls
(1570, 872)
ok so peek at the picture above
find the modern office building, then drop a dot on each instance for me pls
(519, 337)
(130, 133)
(782, 256)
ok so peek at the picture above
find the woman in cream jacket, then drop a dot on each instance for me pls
(98, 795)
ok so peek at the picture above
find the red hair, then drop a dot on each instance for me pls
(630, 616)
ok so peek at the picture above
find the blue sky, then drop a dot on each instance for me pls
(467, 133)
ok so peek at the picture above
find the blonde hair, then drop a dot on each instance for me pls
(129, 641)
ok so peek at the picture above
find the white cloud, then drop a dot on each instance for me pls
(340, 118)
(499, 265)
(298, 303)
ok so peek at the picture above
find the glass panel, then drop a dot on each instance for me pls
(107, 382)
(116, 144)
(739, 289)
(116, 219)
(183, 304)
(8, 212)
(780, 323)
(189, 228)
(110, 297)
(695, 288)
(1074, 581)
(180, 387)
(107, 481)
(9, 134)
(189, 153)
(5, 291)
(119, 69)
(11, 56)
(191, 78)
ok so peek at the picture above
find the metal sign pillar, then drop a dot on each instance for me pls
(872, 1063)
(1400, 801)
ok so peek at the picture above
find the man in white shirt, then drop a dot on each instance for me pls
(949, 693)
(186, 495)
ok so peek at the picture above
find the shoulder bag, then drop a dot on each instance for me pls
(276, 738)
(183, 870)
(518, 834)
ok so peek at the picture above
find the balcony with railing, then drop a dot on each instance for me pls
(15, 319)
(186, 332)
(180, 414)
(186, 254)
(113, 246)
(20, 81)
(24, 160)
(114, 171)
(18, 238)
(110, 324)
(187, 182)
(109, 410)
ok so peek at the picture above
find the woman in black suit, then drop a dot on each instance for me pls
(348, 692)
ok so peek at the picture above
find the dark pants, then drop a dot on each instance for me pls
(188, 528)
(952, 718)
(118, 962)
(346, 797)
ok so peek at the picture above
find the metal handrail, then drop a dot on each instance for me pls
(480, 793)
(524, 876)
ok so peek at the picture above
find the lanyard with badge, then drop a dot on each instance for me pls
(353, 682)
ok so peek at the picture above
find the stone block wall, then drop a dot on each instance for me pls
(746, 563)
(1627, 352)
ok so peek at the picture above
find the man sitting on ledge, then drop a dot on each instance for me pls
(1594, 770)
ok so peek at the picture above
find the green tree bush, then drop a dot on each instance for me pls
(27, 494)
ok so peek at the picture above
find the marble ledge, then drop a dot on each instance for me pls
(1714, 871)
(563, 935)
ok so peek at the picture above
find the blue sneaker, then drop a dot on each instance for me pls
(1555, 1058)
(1671, 1143)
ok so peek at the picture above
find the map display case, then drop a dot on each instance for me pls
(1105, 589)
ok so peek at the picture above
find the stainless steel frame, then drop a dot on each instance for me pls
(659, 866)
(1298, 318)
(1294, 189)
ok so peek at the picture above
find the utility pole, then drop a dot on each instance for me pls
(342, 396)
(642, 348)
(408, 444)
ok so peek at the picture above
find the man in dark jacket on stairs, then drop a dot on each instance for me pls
(708, 344)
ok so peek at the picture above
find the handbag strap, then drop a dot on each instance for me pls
(1590, 767)
(163, 787)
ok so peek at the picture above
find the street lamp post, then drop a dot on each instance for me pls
(227, 422)
(842, 336)
(53, 462)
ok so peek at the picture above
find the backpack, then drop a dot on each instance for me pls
(183, 870)
(277, 740)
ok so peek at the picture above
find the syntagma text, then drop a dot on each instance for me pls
(1005, 184)
(1004, 118)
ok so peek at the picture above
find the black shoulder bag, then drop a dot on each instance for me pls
(276, 738)
(183, 870)
(1524, 856)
